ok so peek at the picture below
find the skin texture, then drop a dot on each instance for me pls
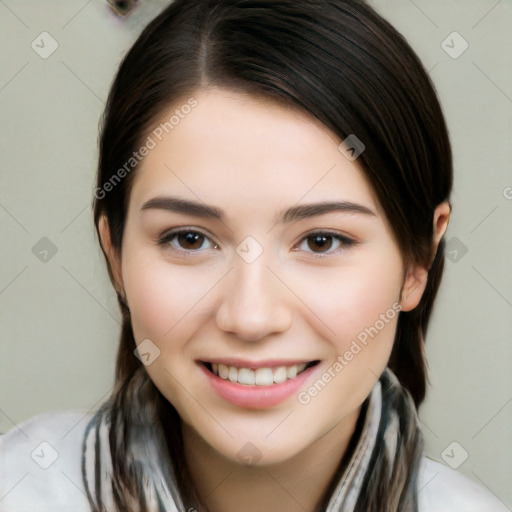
(253, 159)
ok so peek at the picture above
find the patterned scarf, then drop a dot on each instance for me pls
(125, 438)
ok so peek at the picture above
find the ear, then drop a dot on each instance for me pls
(416, 275)
(441, 220)
(113, 257)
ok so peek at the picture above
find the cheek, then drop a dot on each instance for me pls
(165, 300)
(361, 306)
(166, 306)
(354, 300)
(369, 301)
(151, 301)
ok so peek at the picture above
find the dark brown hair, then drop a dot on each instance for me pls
(339, 61)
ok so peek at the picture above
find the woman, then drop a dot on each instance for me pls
(272, 195)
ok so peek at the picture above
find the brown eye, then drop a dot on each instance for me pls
(186, 240)
(325, 244)
(320, 243)
(190, 240)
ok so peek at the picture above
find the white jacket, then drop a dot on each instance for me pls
(40, 471)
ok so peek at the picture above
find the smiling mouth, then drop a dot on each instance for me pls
(266, 376)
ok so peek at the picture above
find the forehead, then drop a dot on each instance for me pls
(235, 148)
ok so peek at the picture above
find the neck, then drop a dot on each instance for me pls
(297, 484)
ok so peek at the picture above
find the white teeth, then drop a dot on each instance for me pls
(291, 372)
(246, 376)
(259, 377)
(264, 377)
(233, 374)
(280, 374)
(223, 371)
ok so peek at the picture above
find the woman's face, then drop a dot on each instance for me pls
(253, 242)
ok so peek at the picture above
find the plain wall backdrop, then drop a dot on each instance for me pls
(59, 316)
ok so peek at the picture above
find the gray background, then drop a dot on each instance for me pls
(59, 318)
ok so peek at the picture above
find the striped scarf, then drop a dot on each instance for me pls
(126, 467)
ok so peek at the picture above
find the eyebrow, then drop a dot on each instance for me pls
(295, 213)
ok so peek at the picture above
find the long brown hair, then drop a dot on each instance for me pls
(339, 61)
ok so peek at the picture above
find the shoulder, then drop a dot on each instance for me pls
(442, 489)
(40, 464)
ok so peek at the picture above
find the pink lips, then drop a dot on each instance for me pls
(256, 397)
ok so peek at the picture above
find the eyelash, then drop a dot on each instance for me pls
(344, 241)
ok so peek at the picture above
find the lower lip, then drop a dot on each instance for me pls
(256, 397)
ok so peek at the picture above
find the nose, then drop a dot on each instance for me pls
(254, 302)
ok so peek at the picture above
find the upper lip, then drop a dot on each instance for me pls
(267, 363)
